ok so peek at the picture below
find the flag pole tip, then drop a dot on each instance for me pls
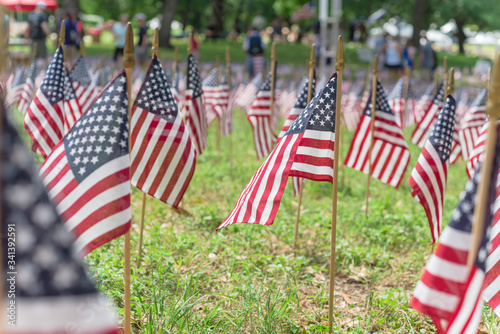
(451, 81)
(128, 49)
(339, 65)
(156, 42)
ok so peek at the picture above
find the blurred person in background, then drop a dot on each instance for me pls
(428, 57)
(142, 51)
(38, 30)
(254, 47)
(393, 53)
(259, 22)
(119, 30)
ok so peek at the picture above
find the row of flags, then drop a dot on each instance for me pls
(89, 165)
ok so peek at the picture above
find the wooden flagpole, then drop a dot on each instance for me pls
(154, 52)
(128, 64)
(228, 74)
(493, 110)
(82, 48)
(406, 89)
(339, 66)
(273, 79)
(217, 130)
(312, 66)
(445, 78)
(3, 65)
(372, 133)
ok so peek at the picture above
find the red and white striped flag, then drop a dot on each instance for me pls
(53, 291)
(423, 104)
(85, 88)
(225, 106)
(249, 93)
(449, 290)
(16, 89)
(352, 109)
(470, 126)
(87, 175)
(306, 150)
(28, 90)
(259, 117)
(424, 127)
(390, 155)
(402, 109)
(44, 120)
(428, 178)
(72, 109)
(300, 105)
(163, 156)
(195, 110)
(216, 96)
(477, 153)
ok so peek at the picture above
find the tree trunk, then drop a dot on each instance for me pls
(168, 12)
(217, 19)
(460, 35)
(418, 21)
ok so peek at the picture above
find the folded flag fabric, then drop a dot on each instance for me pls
(53, 289)
(471, 125)
(424, 127)
(15, 90)
(449, 290)
(87, 173)
(390, 155)
(163, 156)
(428, 178)
(305, 150)
(44, 119)
(85, 88)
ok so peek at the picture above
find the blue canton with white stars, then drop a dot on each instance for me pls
(319, 115)
(438, 99)
(398, 90)
(193, 80)
(381, 103)
(33, 71)
(301, 102)
(53, 82)
(69, 92)
(101, 134)
(266, 85)
(80, 73)
(20, 78)
(481, 98)
(47, 263)
(155, 95)
(211, 79)
(442, 134)
(463, 214)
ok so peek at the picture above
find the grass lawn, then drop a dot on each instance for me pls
(247, 278)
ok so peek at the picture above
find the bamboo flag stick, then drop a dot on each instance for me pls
(312, 65)
(339, 66)
(228, 74)
(176, 61)
(217, 130)
(493, 110)
(273, 79)
(436, 83)
(372, 133)
(190, 44)
(82, 48)
(406, 89)
(445, 78)
(154, 50)
(128, 64)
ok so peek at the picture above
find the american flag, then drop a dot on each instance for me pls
(428, 178)
(249, 93)
(477, 153)
(211, 91)
(471, 125)
(300, 105)
(72, 109)
(424, 127)
(259, 117)
(306, 150)
(28, 90)
(225, 106)
(195, 110)
(390, 155)
(398, 106)
(87, 173)
(85, 88)
(53, 288)
(352, 109)
(175, 85)
(44, 120)
(16, 89)
(163, 156)
(449, 291)
(423, 104)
